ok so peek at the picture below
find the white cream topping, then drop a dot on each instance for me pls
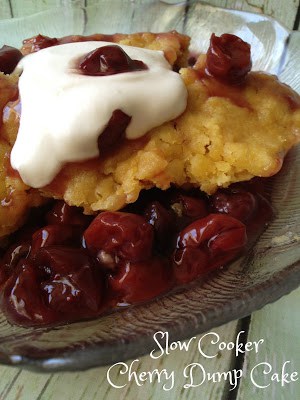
(64, 112)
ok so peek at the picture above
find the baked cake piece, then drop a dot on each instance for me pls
(227, 134)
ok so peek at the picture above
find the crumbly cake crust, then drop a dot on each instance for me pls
(214, 143)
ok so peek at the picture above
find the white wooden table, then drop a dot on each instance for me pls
(277, 324)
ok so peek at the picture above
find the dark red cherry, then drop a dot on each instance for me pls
(215, 228)
(58, 284)
(40, 42)
(59, 234)
(189, 206)
(74, 284)
(141, 281)
(109, 60)
(187, 209)
(62, 259)
(162, 221)
(62, 213)
(228, 58)
(220, 238)
(119, 235)
(239, 204)
(14, 253)
(9, 58)
(21, 297)
(4, 274)
(114, 134)
(189, 263)
(78, 294)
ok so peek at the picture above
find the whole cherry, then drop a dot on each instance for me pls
(206, 244)
(119, 235)
(9, 58)
(136, 282)
(237, 203)
(228, 58)
(109, 60)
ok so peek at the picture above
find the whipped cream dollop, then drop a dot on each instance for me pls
(64, 111)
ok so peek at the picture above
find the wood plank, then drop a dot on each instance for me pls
(93, 383)
(22, 9)
(105, 19)
(8, 377)
(278, 324)
(284, 11)
(57, 22)
(142, 15)
(5, 9)
(26, 385)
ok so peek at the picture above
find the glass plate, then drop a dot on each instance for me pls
(270, 270)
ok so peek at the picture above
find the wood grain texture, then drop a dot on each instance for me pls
(278, 324)
(93, 384)
(5, 9)
(22, 8)
(284, 11)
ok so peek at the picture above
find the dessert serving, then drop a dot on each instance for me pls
(129, 168)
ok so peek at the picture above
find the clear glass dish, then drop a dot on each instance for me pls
(270, 270)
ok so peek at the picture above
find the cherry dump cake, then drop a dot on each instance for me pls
(128, 169)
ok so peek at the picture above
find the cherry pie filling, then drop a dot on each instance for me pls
(65, 266)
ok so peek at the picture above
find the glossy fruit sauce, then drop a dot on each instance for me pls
(64, 266)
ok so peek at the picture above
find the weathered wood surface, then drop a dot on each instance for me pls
(278, 324)
(285, 11)
(93, 384)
